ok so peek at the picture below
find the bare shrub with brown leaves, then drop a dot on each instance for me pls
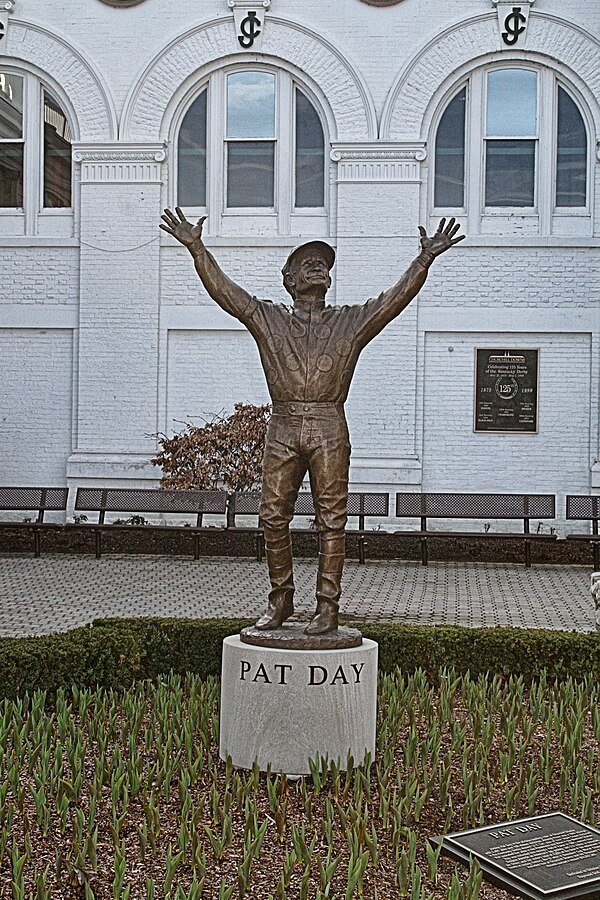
(225, 453)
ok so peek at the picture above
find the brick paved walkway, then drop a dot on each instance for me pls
(56, 593)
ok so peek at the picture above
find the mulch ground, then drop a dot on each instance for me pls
(106, 794)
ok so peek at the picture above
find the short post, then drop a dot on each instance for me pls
(595, 591)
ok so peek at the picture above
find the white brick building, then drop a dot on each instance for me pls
(363, 118)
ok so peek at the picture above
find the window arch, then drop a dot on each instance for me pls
(35, 148)
(512, 139)
(252, 143)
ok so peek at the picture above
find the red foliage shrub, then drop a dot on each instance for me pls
(225, 453)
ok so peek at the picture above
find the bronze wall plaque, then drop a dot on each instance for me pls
(546, 856)
(506, 391)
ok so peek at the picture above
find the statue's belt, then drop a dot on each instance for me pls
(304, 408)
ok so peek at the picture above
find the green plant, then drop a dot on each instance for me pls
(122, 794)
(132, 520)
(114, 653)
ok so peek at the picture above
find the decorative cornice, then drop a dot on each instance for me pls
(117, 162)
(338, 155)
(379, 162)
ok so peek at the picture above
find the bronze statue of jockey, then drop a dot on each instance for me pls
(309, 352)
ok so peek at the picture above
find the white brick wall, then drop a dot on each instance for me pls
(118, 338)
(150, 347)
(39, 275)
(515, 278)
(35, 405)
(455, 458)
(209, 371)
(257, 269)
(381, 404)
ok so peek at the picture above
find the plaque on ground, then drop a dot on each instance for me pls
(548, 856)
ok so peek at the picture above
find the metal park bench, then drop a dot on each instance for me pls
(139, 501)
(585, 507)
(36, 500)
(360, 504)
(425, 506)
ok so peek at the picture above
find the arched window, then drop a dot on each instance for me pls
(252, 143)
(35, 137)
(571, 153)
(12, 140)
(191, 155)
(310, 154)
(450, 154)
(57, 155)
(250, 140)
(513, 139)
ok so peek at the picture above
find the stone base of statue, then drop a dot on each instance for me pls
(282, 707)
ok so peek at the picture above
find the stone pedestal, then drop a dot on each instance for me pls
(283, 707)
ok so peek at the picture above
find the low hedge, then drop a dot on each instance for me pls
(113, 653)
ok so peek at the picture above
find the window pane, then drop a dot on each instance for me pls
(57, 155)
(251, 173)
(512, 103)
(510, 173)
(191, 155)
(310, 154)
(251, 105)
(450, 154)
(11, 175)
(571, 171)
(11, 106)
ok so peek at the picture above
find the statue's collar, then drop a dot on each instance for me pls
(306, 306)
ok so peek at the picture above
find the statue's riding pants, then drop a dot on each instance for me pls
(306, 437)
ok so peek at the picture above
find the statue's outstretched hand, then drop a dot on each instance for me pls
(179, 227)
(443, 239)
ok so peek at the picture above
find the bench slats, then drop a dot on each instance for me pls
(30, 498)
(149, 500)
(422, 505)
(139, 500)
(42, 499)
(475, 506)
(359, 504)
(585, 507)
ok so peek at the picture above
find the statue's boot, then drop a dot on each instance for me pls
(281, 596)
(329, 589)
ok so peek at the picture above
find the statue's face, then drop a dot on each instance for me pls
(309, 272)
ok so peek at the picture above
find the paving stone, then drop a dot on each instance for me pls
(56, 592)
